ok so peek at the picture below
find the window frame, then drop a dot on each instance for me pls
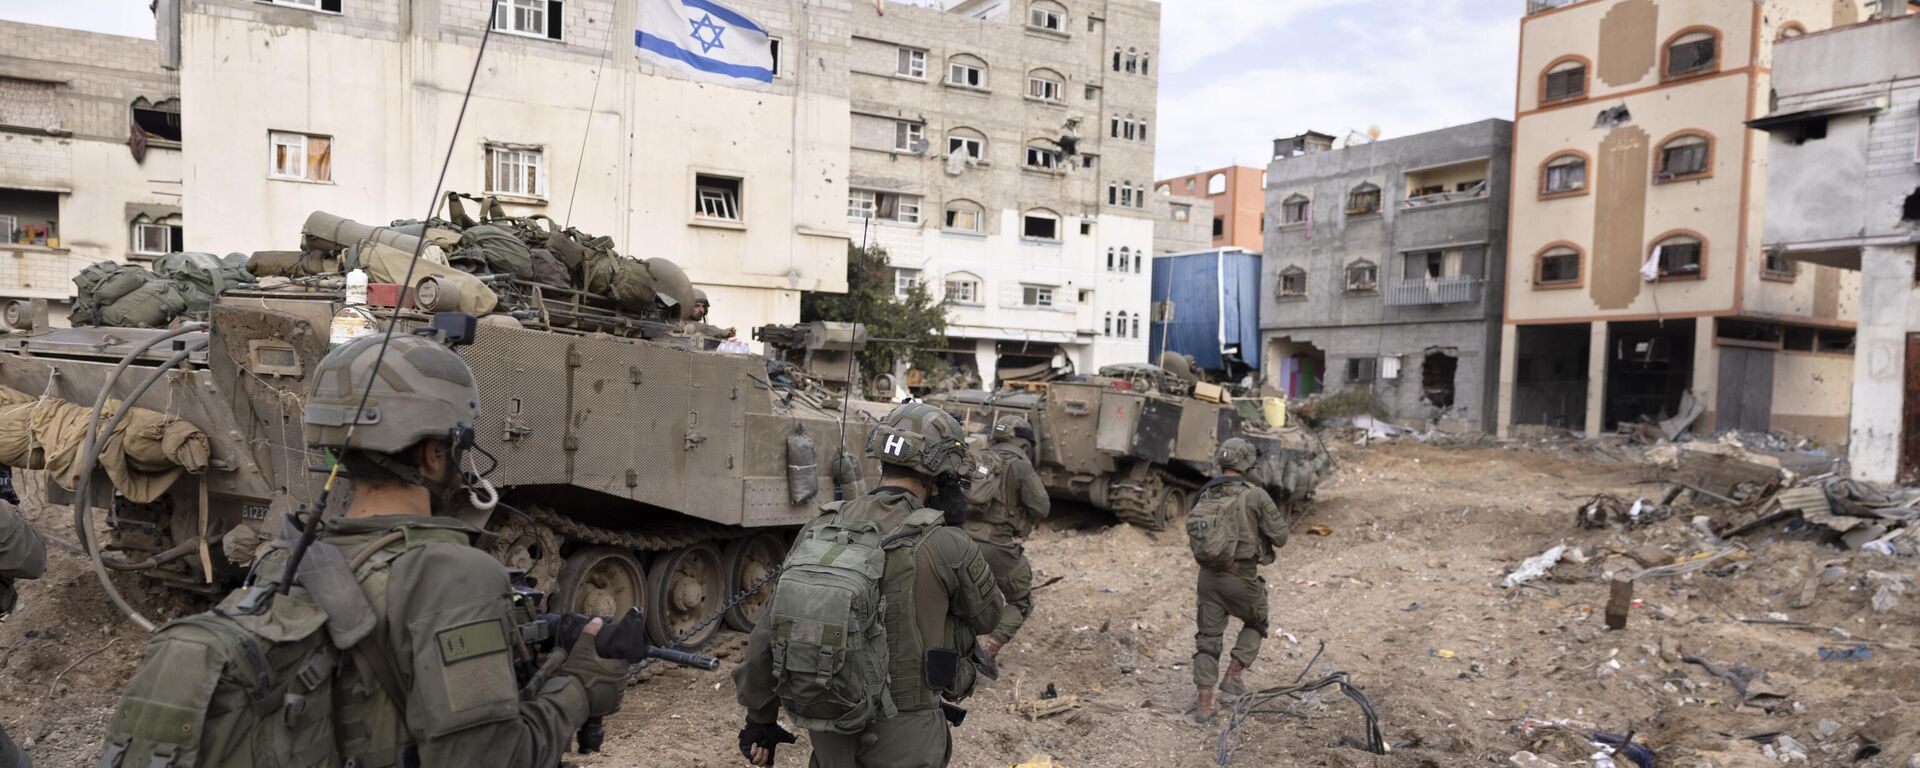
(1791, 26)
(727, 199)
(967, 207)
(490, 153)
(1701, 259)
(1546, 173)
(135, 240)
(1660, 174)
(316, 6)
(1304, 205)
(1788, 275)
(1059, 225)
(977, 143)
(1058, 13)
(1043, 84)
(965, 279)
(904, 134)
(904, 281)
(906, 59)
(1547, 73)
(955, 62)
(1051, 165)
(1291, 272)
(503, 23)
(1037, 296)
(1365, 187)
(1370, 285)
(1712, 66)
(867, 204)
(305, 174)
(1540, 262)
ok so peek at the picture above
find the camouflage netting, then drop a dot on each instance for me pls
(143, 456)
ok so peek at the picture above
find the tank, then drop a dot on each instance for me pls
(1134, 442)
(634, 467)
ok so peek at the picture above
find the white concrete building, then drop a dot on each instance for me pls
(1843, 190)
(1000, 152)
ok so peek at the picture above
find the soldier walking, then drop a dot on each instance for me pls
(871, 628)
(22, 556)
(1002, 523)
(1233, 529)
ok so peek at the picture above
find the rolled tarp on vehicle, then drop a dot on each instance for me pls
(143, 456)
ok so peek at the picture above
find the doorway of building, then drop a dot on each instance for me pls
(1649, 369)
(1550, 375)
(1299, 368)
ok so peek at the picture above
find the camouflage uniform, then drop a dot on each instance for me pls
(22, 556)
(1000, 532)
(1237, 591)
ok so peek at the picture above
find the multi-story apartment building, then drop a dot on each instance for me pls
(1385, 263)
(1180, 223)
(1001, 154)
(1239, 202)
(90, 162)
(1637, 287)
(1843, 190)
(303, 105)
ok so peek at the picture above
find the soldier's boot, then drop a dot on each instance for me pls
(1232, 684)
(1204, 707)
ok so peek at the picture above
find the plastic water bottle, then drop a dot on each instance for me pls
(356, 287)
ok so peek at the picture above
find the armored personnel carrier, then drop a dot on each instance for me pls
(634, 466)
(1133, 441)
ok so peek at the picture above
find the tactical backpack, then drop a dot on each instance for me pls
(226, 689)
(987, 487)
(1219, 523)
(830, 653)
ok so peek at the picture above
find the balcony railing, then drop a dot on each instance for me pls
(1460, 289)
(1471, 193)
(1536, 6)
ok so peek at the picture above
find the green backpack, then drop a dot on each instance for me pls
(829, 634)
(1219, 523)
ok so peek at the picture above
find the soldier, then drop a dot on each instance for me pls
(1001, 526)
(938, 595)
(433, 683)
(697, 325)
(22, 556)
(1233, 529)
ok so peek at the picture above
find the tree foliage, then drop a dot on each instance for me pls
(917, 320)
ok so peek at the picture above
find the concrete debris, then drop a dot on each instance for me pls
(1525, 759)
(1534, 567)
(1887, 589)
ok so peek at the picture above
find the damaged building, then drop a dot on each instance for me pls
(1637, 288)
(1383, 269)
(1843, 193)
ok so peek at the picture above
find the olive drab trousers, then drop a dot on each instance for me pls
(917, 739)
(1013, 574)
(1240, 593)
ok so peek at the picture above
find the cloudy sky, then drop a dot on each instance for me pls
(1234, 74)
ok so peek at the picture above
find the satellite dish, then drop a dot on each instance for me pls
(919, 146)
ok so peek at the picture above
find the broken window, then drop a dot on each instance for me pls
(300, 156)
(964, 216)
(717, 197)
(1042, 158)
(1047, 15)
(773, 47)
(1036, 295)
(1044, 84)
(1116, 58)
(1774, 263)
(911, 62)
(1837, 341)
(1684, 156)
(886, 206)
(1679, 256)
(1040, 225)
(1810, 129)
(1437, 371)
(1566, 80)
(968, 71)
(1361, 370)
(1295, 209)
(967, 143)
(962, 288)
(1363, 275)
(1219, 226)
(1181, 211)
(1217, 184)
(909, 136)
(1691, 53)
(157, 121)
(1566, 172)
(516, 171)
(1421, 265)
(1558, 266)
(29, 217)
(1293, 283)
(155, 235)
(1364, 199)
(539, 18)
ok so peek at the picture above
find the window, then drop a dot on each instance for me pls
(1181, 211)
(1565, 80)
(1693, 51)
(1791, 29)
(1048, 16)
(1088, 161)
(1108, 328)
(962, 288)
(1679, 256)
(912, 63)
(153, 237)
(1133, 60)
(1685, 156)
(516, 171)
(1040, 225)
(1775, 264)
(1042, 158)
(1566, 174)
(1136, 326)
(1293, 283)
(1126, 259)
(1219, 226)
(539, 18)
(1422, 265)
(300, 156)
(716, 197)
(1086, 228)
(773, 45)
(1363, 276)
(1364, 199)
(885, 206)
(1361, 370)
(1216, 184)
(1143, 63)
(967, 71)
(29, 217)
(904, 281)
(1557, 266)
(29, 104)
(1295, 209)
(1036, 295)
(1810, 129)
(1189, 185)
(156, 122)
(909, 137)
(967, 143)
(964, 216)
(330, 6)
(1093, 92)
(1044, 84)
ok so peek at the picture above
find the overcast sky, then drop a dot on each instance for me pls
(1234, 74)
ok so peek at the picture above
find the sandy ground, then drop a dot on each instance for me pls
(1404, 592)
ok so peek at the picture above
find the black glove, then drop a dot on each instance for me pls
(566, 628)
(625, 639)
(766, 736)
(953, 713)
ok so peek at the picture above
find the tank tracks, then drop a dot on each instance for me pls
(1139, 501)
(674, 537)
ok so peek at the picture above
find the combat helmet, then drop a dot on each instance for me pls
(1013, 427)
(700, 299)
(1237, 454)
(922, 438)
(423, 390)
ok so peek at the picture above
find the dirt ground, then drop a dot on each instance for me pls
(1404, 591)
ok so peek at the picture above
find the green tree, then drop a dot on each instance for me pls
(917, 321)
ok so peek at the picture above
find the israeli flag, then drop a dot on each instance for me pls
(705, 39)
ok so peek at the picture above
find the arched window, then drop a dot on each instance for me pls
(1217, 184)
(1126, 127)
(965, 216)
(1163, 190)
(1564, 174)
(1108, 332)
(1691, 51)
(1564, 80)
(1679, 255)
(1293, 283)
(1113, 126)
(1363, 276)
(1126, 259)
(1790, 30)
(1110, 258)
(1143, 63)
(1295, 209)
(967, 70)
(1042, 155)
(1684, 156)
(967, 143)
(962, 288)
(1141, 129)
(1045, 84)
(1557, 266)
(1364, 199)
(1116, 58)
(1047, 15)
(1136, 326)
(1120, 324)
(1133, 61)
(1040, 224)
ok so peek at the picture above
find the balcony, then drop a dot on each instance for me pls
(1536, 6)
(1460, 289)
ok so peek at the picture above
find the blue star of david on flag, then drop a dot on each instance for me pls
(704, 39)
(706, 23)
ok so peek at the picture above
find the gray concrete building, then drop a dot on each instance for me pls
(1384, 262)
(1180, 224)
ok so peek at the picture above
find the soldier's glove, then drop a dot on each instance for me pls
(625, 639)
(764, 735)
(605, 679)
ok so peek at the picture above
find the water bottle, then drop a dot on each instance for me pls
(356, 287)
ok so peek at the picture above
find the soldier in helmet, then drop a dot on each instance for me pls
(433, 683)
(697, 324)
(1001, 525)
(22, 556)
(938, 595)
(1233, 529)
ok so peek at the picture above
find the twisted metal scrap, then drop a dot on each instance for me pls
(1263, 702)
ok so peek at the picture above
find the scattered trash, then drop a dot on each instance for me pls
(1623, 746)
(1786, 750)
(1858, 652)
(1828, 728)
(1535, 567)
(1321, 530)
(1525, 759)
(1440, 653)
(1039, 761)
(1305, 583)
(1034, 709)
(1619, 602)
(1750, 683)
(1888, 587)
(1411, 607)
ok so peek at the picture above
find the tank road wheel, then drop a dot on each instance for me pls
(1173, 503)
(532, 549)
(686, 585)
(599, 581)
(1139, 501)
(747, 561)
